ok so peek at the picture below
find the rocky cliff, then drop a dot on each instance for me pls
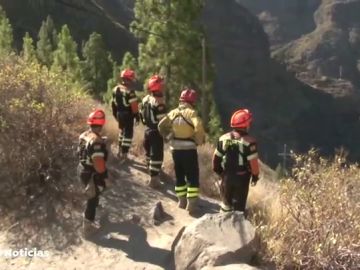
(284, 97)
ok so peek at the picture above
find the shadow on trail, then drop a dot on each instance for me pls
(136, 247)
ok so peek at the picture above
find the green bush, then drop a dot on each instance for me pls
(41, 116)
(316, 223)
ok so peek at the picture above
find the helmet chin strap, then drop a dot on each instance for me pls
(158, 94)
(95, 128)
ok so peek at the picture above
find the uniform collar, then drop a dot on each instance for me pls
(184, 105)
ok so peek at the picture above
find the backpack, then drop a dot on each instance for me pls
(233, 160)
(181, 127)
(147, 114)
(82, 151)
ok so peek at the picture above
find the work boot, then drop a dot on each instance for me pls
(182, 202)
(154, 181)
(89, 227)
(192, 206)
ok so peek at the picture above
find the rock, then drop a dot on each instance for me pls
(134, 218)
(216, 239)
(157, 213)
(231, 267)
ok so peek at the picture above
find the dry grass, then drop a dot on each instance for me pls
(41, 116)
(307, 222)
(315, 222)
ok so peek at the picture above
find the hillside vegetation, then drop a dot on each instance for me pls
(308, 221)
(313, 222)
(41, 114)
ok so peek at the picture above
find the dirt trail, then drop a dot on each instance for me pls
(122, 243)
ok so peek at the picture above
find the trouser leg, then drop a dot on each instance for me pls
(86, 175)
(156, 152)
(128, 135)
(241, 191)
(126, 121)
(91, 206)
(180, 184)
(190, 160)
(120, 120)
(227, 193)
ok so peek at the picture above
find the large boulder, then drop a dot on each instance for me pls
(214, 240)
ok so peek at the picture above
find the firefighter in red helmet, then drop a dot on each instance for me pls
(92, 169)
(152, 111)
(183, 127)
(125, 110)
(235, 160)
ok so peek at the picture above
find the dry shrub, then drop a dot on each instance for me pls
(111, 129)
(137, 147)
(208, 179)
(41, 116)
(315, 224)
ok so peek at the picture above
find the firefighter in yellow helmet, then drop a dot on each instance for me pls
(184, 129)
(125, 110)
(235, 160)
(152, 111)
(92, 169)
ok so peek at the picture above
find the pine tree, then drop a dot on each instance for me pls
(171, 44)
(65, 56)
(112, 82)
(6, 33)
(129, 61)
(47, 42)
(28, 51)
(97, 65)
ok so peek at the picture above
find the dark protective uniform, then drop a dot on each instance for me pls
(231, 161)
(152, 111)
(125, 110)
(91, 145)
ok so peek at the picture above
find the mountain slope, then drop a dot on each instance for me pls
(109, 18)
(122, 242)
(285, 109)
(288, 106)
(331, 50)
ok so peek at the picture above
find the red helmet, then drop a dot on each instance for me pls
(127, 74)
(188, 95)
(155, 83)
(241, 119)
(96, 118)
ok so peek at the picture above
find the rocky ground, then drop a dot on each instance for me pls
(128, 237)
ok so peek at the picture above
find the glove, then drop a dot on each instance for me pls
(254, 179)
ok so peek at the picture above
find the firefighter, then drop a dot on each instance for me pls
(152, 111)
(235, 160)
(184, 129)
(125, 109)
(92, 166)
